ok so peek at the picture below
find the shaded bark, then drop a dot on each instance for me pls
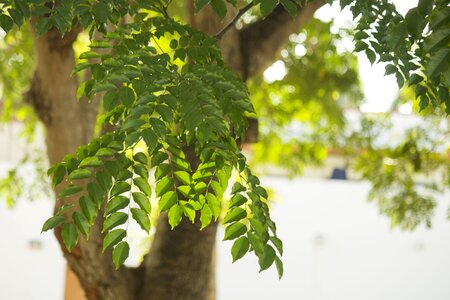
(181, 263)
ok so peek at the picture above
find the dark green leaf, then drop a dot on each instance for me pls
(70, 190)
(89, 208)
(234, 214)
(53, 222)
(120, 254)
(91, 162)
(113, 220)
(237, 200)
(240, 248)
(116, 203)
(119, 188)
(234, 230)
(199, 4)
(143, 185)
(113, 237)
(58, 175)
(267, 259)
(141, 218)
(219, 7)
(69, 235)
(143, 201)
(140, 157)
(278, 244)
(80, 174)
(279, 265)
(267, 6)
(82, 223)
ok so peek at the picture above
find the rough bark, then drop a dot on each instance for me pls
(69, 124)
(181, 263)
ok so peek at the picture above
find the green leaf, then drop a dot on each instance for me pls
(113, 237)
(237, 187)
(89, 54)
(261, 191)
(82, 223)
(267, 259)
(437, 40)
(141, 170)
(175, 215)
(70, 190)
(164, 185)
(167, 201)
(91, 162)
(58, 175)
(290, 7)
(214, 204)
(143, 185)
(396, 34)
(438, 62)
(120, 254)
(80, 174)
(234, 230)
(278, 244)
(360, 46)
(150, 139)
(234, 214)
(390, 69)
(258, 227)
(88, 207)
(63, 209)
(119, 188)
(6, 22)
(143, 201)
(141, 218)
(69, 235)
(43, 25)
(53, 222)
(158, 158)
(240, 248)
(113, 220)
(132, 124)
(183, 176)
(140, 157)
(267, 6)
(173, 44)
(415, 79)
(205, 216)
(279, 265)
(219, 7)
(199, 4)
(161, 171)
(96, 193)
(126, 95)
(116, 203)
(237, 200)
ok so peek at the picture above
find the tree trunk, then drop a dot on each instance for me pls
(181, 263)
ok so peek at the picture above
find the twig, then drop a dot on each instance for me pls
(242, 11)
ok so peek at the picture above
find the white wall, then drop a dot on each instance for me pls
(337, 247)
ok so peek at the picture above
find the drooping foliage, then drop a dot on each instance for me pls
(179, 115)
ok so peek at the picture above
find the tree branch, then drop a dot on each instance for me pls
(242, 11)
(260, 42)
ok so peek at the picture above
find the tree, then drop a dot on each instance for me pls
(166, 102)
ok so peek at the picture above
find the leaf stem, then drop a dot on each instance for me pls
(242, 11)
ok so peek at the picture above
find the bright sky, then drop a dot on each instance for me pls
(379, 90)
